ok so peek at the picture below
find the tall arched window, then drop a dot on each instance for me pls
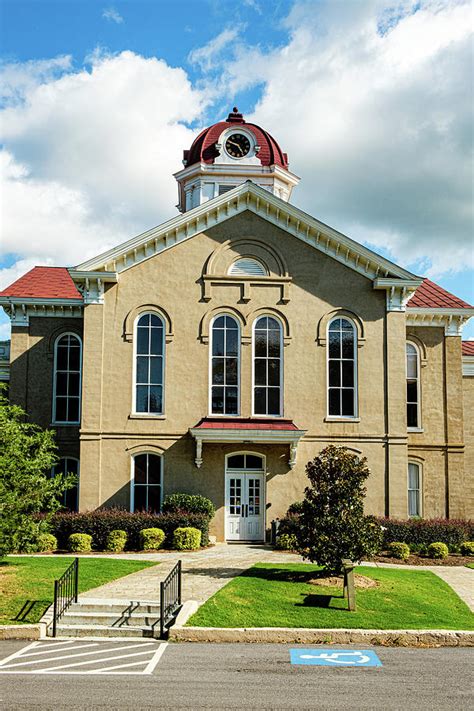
(147, 483)
(68, 465)
(67, 379)
(267, 367)
(149, 364)
(413, 386)
(342, 368)
(414, 489)
(225, 366)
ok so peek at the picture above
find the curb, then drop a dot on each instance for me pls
(22, 631)
(298, 635)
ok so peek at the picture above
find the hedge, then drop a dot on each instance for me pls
(99, 524)
(452, 532)
(190, 503)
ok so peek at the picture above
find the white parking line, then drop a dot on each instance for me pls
(18, 653)
(156, 658)
(54, 647)
(81, 654)
(80, 664)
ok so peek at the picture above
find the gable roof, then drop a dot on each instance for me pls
(44, 283)
(432, 296)
(468, 348)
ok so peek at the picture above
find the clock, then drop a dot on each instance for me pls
(237, 145)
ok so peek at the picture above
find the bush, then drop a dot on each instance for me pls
(295, 508)
(189, 503)
(399, 550)
(151, 539)
(46, 543)
(187, 538)
(100, 523)
(438, 550)
(116, 541)
(79, 543)
(425, 531)
(467, 548)
(286, 542)
(289, 524)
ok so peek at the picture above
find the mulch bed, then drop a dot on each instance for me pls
(414, 559)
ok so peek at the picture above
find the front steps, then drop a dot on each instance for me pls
(110, 618)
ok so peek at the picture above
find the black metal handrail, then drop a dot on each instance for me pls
(170, 597)
(65, 591)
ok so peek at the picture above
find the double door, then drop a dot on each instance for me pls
(245, 513)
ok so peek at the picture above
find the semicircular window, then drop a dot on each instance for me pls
(247, 266)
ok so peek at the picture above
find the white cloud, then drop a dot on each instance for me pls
(209, 55)
(112, 15)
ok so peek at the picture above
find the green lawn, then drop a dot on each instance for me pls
(469, 565)
(269, 595)
(26, 583)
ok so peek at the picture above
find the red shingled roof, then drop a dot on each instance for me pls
(468, 348)
(209, 423)
(432, 296)
(44, 283)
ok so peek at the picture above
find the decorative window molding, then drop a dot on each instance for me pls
(70, 497)
(342, 376)
(205, 325)
(146, 482)
(247, 266)
(411, 337)
(413, 379)
(267, 367)
(131, 317)
(224, 365)
(322, 329)
(253, 316)
(415, 489)
(149, 365)
(67, 379)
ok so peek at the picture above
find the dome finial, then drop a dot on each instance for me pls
(235, 110)
(235, 116)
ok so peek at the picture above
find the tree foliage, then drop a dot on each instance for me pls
(27, 454)
(332, 524)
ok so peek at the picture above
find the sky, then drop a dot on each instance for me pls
(371, 99)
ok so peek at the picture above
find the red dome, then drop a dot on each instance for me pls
(203, 149)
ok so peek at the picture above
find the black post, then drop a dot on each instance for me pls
(55, 607)
(179, 582)
(76, 579)
(162, 610)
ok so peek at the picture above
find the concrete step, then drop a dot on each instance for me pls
(66, 630)
(118, 607)
(78, 616)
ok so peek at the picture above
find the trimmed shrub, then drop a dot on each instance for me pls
(467, 548)
(286, 542)
(79, 543)
(399, 550)
(116, 541)
(186, 539)
(425, 531)
(151, 539)
(189, 503)
(289, 524)
(438, 550)
(46, 543)
(100, 523)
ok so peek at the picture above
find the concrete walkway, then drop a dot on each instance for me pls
(206, 571)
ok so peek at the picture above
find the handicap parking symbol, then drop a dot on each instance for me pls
(335, 658)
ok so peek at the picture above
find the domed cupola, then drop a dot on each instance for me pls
(227, 154)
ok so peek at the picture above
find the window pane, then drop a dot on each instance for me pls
(70, 498)
(218, 400)
(236, 461)
(231, 405)
(154, 499)
(140, 498)
(219, 322)
(142, 369)
(61, 404)
(260, 344)
(232, 342)
(61, 358)
(274, 344)
(412, 391)
(411, 366)
(156, 341)
(74, 388)
(334, 373)
(335, 325)
(156, 402)
(347, 402)
(273, 324)
(156, 370)
(75, 357)
(142, 398)
(154, 469)
(217, 342)
(144, 320)
(334, 402)
(140, 468)
(142, 340)
(348, 373)
(412, 415)
(262, 322)
(260, 371)
(413, 503)
(334, 345)
(231, 371)
(73, 409)
(61, 383)
(347, 344)
(413, 476)
(260, 401)
(155, 321)
(274, 401)
(273, 372)
(218, 371)
(253, 462)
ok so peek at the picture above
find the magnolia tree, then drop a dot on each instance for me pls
(332, 524)
(27, 454)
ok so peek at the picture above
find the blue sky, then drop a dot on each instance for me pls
(372, 100)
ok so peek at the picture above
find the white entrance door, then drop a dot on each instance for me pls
(245, 513)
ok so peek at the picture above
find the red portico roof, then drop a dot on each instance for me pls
(203, 149)
(217, 423)
(44, 283)
(432, 296)
(468, 348)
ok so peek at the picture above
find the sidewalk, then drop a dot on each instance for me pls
(207, 571)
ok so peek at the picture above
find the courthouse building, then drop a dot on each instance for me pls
(222, 350)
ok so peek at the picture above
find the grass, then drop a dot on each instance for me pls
(27, 583)
(469, 565)
(269, 595)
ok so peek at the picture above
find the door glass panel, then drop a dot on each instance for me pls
(235, 496)
(253, 462)
(254, 497)
(236, 461)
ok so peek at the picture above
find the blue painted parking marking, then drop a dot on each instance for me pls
(335, 657)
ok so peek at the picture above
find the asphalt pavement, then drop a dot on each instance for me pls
(93, 674)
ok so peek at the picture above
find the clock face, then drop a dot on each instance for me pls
(237, 145)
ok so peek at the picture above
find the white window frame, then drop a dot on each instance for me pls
(418, 426)
(239, 357)
(74, 459)
(132, 477)
(282, 364)
(355, 416)
(54, 420)
(420, 489)
(248, 274)
(135, 354)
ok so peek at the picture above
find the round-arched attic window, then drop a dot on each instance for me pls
(247, 266)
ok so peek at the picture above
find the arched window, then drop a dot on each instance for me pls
(247, 266)
(414, 489)
(67, 379)
(342, 368)
(149, 364)
(147, 483)
(68, 465)
(225, 365)
(413, 386)
(267, 367)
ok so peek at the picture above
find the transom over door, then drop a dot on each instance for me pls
(245, 513)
